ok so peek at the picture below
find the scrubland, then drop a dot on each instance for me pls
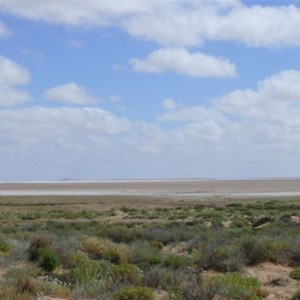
(127, 248)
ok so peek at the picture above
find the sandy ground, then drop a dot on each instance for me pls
(179, 188)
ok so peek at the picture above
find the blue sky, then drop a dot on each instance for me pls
(149, 89)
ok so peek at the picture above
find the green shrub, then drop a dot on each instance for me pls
(161, 278)
(134, 293)
(295, 255)
(113, 256)
(120, 234)
(295, 274)
(192, 288)
(126, 273)
(225, 258)
(259, 249)
(236, 286)
(94, 247)
(36, 244)
(5, 247)
(49, 259)
(296, 296)
(176, 261)
(88, 271)
(144, 254)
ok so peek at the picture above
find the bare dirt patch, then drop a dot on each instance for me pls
(275, 280)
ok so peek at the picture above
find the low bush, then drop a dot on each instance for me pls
(88, 272)
(236, 286)
(176, 261)
(5, 247)
(134, 293)
(296, 296)
(126, 273)
(223, 258)
(26, 285)
(295, 274)
(161, 278)
(259, 249)
(95, 247)
(49, 259)
(36, 244)
(144, 254)
(192, 288)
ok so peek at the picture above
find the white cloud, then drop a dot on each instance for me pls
(190, 25)
(254, 132)
(181, 61)
(255, 25)
(174, 23)
(69, 93)
(11, 96)
(76, 43)
(170, 104)
(4, 32)
(11, 75)
(274, 94)
(191, 114)
(75, 13)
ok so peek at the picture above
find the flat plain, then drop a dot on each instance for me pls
(184, 239)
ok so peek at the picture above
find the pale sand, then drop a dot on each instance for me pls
(173, 188)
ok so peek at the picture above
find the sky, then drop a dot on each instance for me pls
(99, 90)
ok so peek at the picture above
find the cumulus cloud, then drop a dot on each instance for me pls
(174, 23)
(181, 61)
(170, 104)
(11, 96)
(266, 117)
(4, 32)
(274, 94)
(69, 93)
(251, 132)
(75, 13)
(12, 75)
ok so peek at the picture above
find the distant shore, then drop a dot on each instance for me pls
(168, 188)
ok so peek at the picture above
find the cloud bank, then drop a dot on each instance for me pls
(251, 131)
(12, 75)
(173, 23)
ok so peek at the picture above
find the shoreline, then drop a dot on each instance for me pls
(173, 188)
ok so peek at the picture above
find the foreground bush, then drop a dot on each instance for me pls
(236, 286)
(126, 273)
(36, 244)
(258, 249)
(295, 274)
(296, 296)
(49, 259)
(134, 293)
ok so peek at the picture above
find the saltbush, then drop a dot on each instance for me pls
(126, 273)
(296, 296)
(36, 244)
(236, 286)
(295, 274)
(49, 259)
(176, 261)
(134, 293)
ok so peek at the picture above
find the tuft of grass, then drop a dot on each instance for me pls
(295, 274)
